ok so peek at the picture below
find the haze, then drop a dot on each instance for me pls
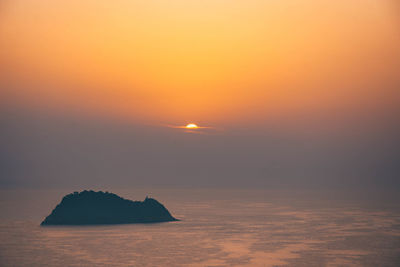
(300, 93)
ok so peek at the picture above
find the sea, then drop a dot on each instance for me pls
(217, 227)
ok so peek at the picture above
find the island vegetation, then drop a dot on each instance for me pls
(90, 207)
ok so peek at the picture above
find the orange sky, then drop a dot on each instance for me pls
(209, 61)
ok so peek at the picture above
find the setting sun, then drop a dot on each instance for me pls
(267, 128)
(191, 126)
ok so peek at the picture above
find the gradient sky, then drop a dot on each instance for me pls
(298, 93)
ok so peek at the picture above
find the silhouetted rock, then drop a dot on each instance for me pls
(89, 207)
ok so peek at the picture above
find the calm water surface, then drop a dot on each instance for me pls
(218, 228)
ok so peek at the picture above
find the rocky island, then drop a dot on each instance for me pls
(90, 207)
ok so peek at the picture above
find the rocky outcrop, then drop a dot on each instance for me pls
(89, 207)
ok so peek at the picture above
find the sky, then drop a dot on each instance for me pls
(299, 93)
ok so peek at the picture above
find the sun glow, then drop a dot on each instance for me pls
(191, 126)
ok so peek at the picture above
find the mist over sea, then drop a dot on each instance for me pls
(270, 129)
(218, 227)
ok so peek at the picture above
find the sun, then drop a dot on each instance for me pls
(191, 126)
